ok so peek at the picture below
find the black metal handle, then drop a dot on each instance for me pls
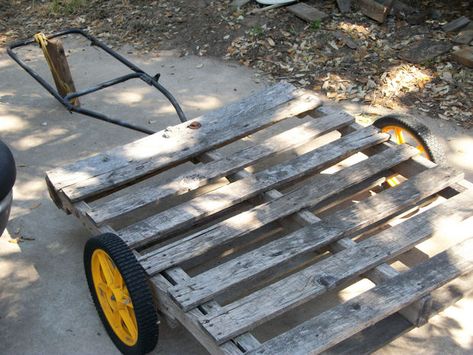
(138, 73)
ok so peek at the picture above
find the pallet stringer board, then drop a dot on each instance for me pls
(191, 319)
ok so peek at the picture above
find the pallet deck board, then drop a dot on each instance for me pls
(345, 320)
(115, 158)
(188, 213)
(176, 144)
(209, 243)
(320, 188)
(209, 284)
(202, 175)
(315, 280)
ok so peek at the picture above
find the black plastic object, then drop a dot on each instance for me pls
(7, 180)
(7, 170)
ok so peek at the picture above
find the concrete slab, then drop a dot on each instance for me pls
(45, 307)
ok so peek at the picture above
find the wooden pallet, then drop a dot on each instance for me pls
(251, 249)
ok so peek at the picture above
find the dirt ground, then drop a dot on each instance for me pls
(348, 57)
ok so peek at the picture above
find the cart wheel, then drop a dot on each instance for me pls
(407, 129)
(121, 294)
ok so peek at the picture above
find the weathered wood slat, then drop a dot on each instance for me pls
(315, 280)
(413, 313)
(183, 145)
(321, 187)
(201, 175)
(173, 145)
(190, 319)
(186, 214)
(246, 267)
(374, 337)
(383, 332)
(116, 157)
(345, 320)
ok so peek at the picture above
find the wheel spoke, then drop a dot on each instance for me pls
(106, 269)
(116, 319)
(118, 279)
(420, 148)
(129, 322)
(102, 287)
(399, 136)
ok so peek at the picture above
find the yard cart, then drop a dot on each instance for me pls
(251, 224)
(233, 261)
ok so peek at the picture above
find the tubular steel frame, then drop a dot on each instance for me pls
(137, 73)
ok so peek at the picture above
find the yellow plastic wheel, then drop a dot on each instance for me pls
(121, 294)
(400, 136)
(407, 129)
(114, 297)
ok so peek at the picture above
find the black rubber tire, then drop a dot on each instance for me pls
(136, 282)
(418, 130)
(7, 170)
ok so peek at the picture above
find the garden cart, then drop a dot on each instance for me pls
(250, 224)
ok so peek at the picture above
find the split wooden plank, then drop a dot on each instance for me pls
(176, 144)
(319, 189)
(60, 71)
(339, 323)
(248, 266)
(307, 12)
(294, 290)
(201, 175)
(188, 213)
